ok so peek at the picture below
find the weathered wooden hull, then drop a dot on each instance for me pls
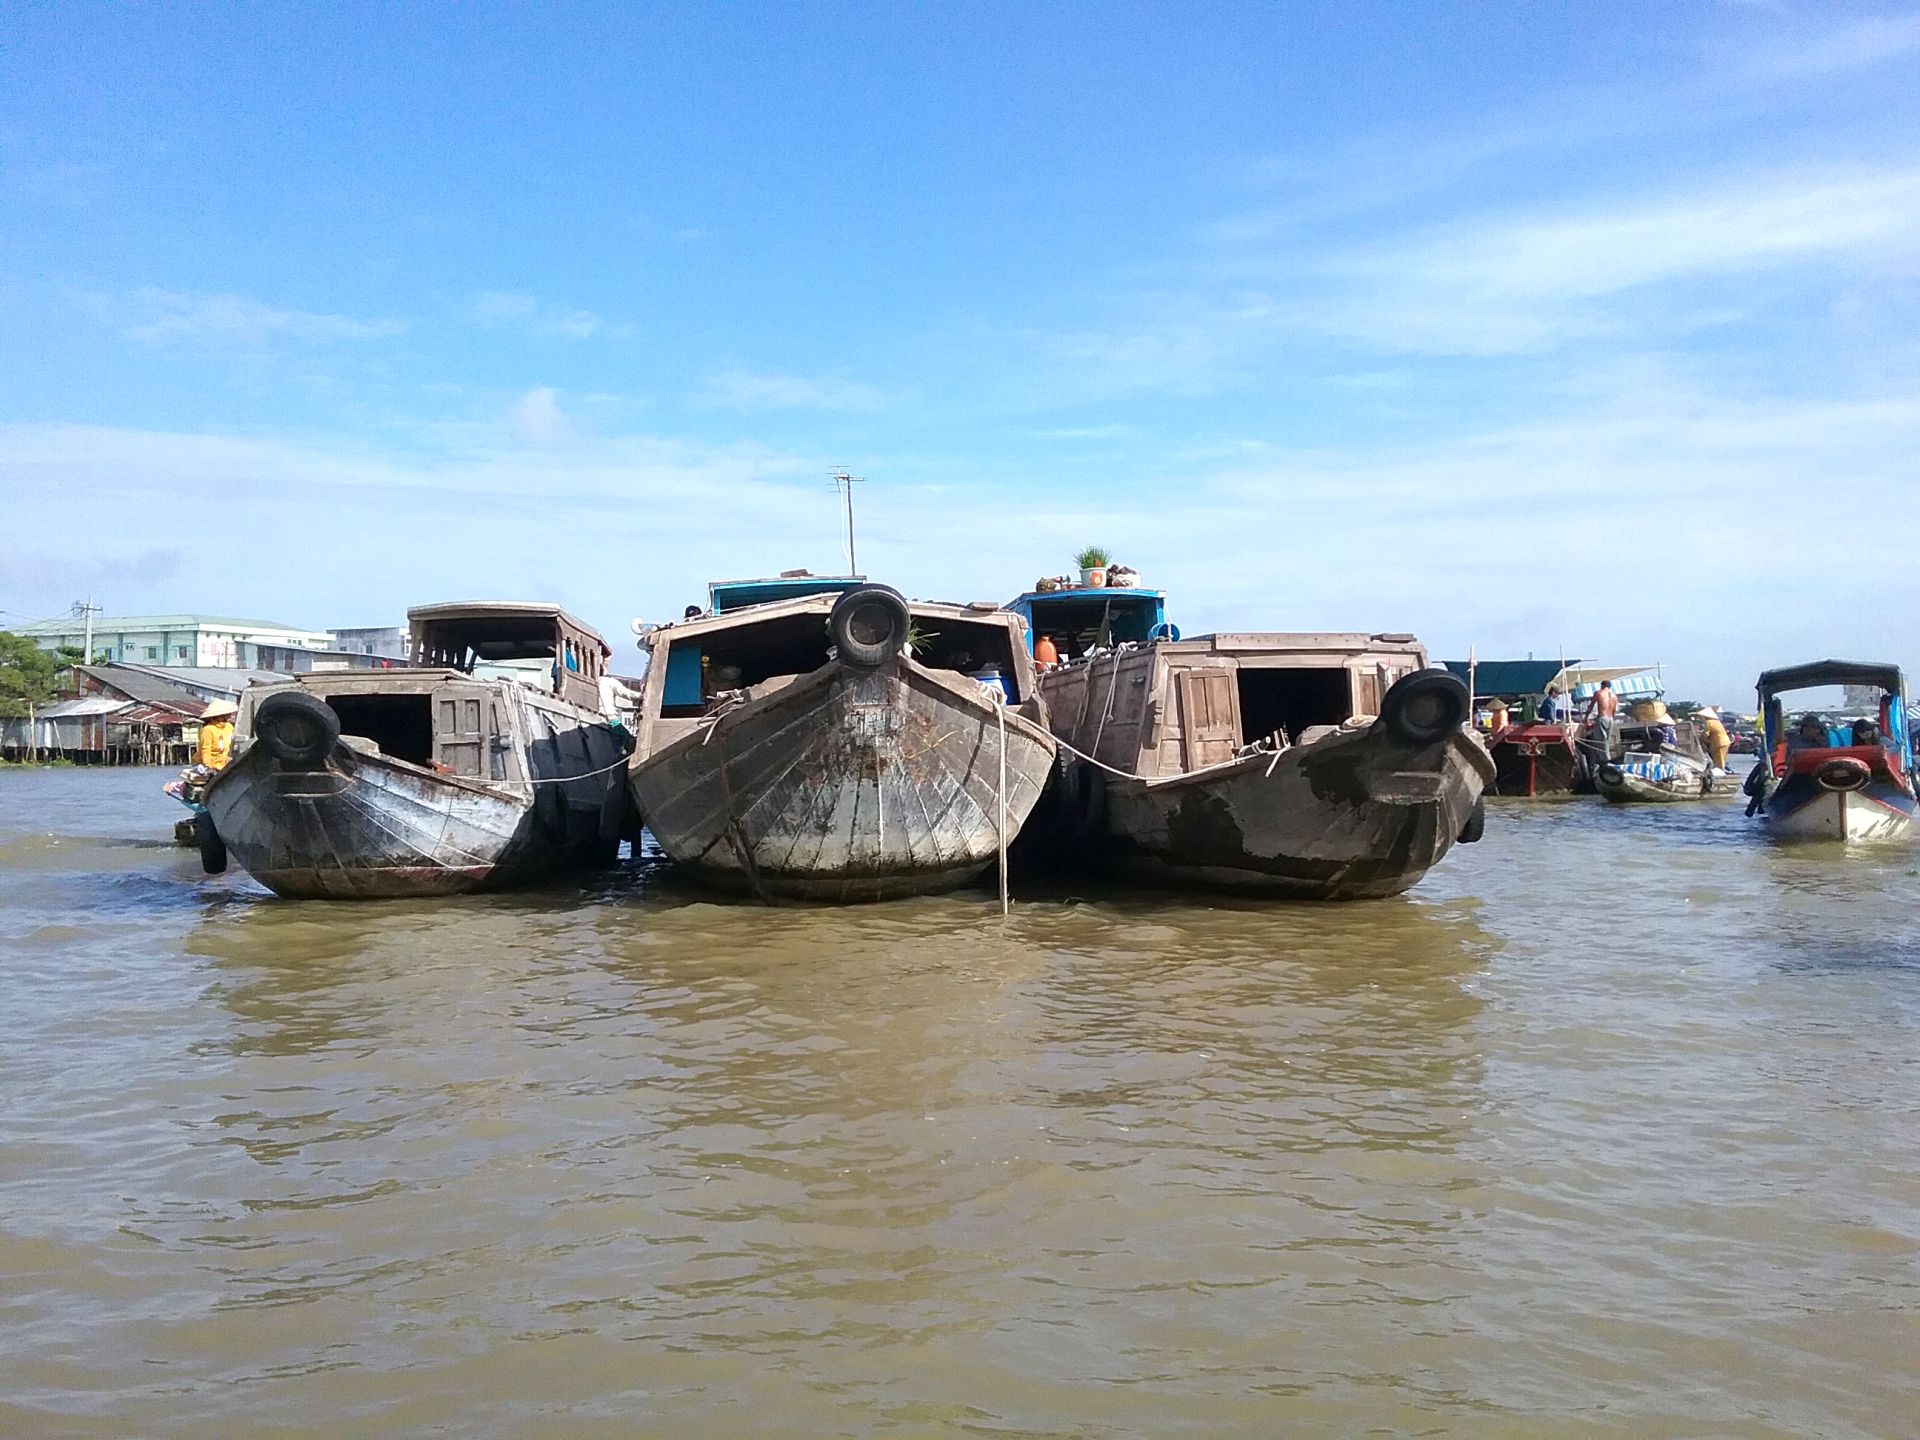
(1352, 816)
(847, 785)
(365, 826)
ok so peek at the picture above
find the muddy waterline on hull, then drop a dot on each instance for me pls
(1607, 1128)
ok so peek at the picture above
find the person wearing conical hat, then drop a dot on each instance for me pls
(1713, 735)
(216, 734)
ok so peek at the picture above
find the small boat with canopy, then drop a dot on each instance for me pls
(1837, 763)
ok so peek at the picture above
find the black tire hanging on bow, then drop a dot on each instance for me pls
(1425, 707)
(297, 727)
(869, 625)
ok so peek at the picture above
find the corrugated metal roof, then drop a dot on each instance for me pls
(154, 715)
(83, 705)
(225, 680)
(146, 687)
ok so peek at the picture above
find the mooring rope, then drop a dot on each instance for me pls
(1000, 714)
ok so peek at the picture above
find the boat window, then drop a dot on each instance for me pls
(700, 667)
(1291, 700)
(984, 651)
(1079, 622)
(401, 725)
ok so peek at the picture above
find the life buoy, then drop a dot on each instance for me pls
(1425, 707)
(1842, 773)
(869, 625)
(297, 727)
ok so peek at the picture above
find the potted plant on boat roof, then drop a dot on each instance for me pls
(1093, 566)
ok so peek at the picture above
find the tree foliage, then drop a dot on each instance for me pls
(27, 675)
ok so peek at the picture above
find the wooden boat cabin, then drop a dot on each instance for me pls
(1318, 766)
(1181, 705)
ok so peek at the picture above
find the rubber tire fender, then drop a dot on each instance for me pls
(1612, 773)
(297, 727)
(1425, 707)
(213, 850)
(869, 625)
(1845, 773)
(1081, 798)
(1476, 825)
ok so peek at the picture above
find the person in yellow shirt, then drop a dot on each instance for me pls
(1713, 735)
(216, 735)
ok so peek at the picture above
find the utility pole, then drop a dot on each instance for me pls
(844, 483)
(87, 608)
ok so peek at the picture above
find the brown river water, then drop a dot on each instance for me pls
(1610, 1127)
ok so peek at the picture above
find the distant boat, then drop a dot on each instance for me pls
(492, 760)
(1843, 773)
(822, 738)
(1537, 758)
(1322, 766)
(1656, 775)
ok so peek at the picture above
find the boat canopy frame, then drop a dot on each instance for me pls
(1816, 673)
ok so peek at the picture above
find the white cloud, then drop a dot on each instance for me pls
(537, 418)
(1647, 517)
(745, 390)
(512, 310)
(168, 317)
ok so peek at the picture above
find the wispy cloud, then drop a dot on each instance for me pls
(173, 317)
(1518, 283)
(745, 390)
(1854, 45)
(513, 310)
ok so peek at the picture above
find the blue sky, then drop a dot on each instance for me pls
(1588, 326)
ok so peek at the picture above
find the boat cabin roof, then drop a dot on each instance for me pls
(1576, 678)
(726, 596)
(1831, 672)
(496, 630)
(820, 603)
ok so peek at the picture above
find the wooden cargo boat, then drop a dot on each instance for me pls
(493, 759)
(822, 738)
(1326, 766)
(1846, 773)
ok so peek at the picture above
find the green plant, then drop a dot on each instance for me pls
(1092, 558)
(27, 675)
(917, 639)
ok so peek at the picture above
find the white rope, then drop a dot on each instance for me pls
(569, 779)
(1097, 764)
(1000, 714)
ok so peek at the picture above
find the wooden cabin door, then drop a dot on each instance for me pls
(459, 729)
(1209, 718)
